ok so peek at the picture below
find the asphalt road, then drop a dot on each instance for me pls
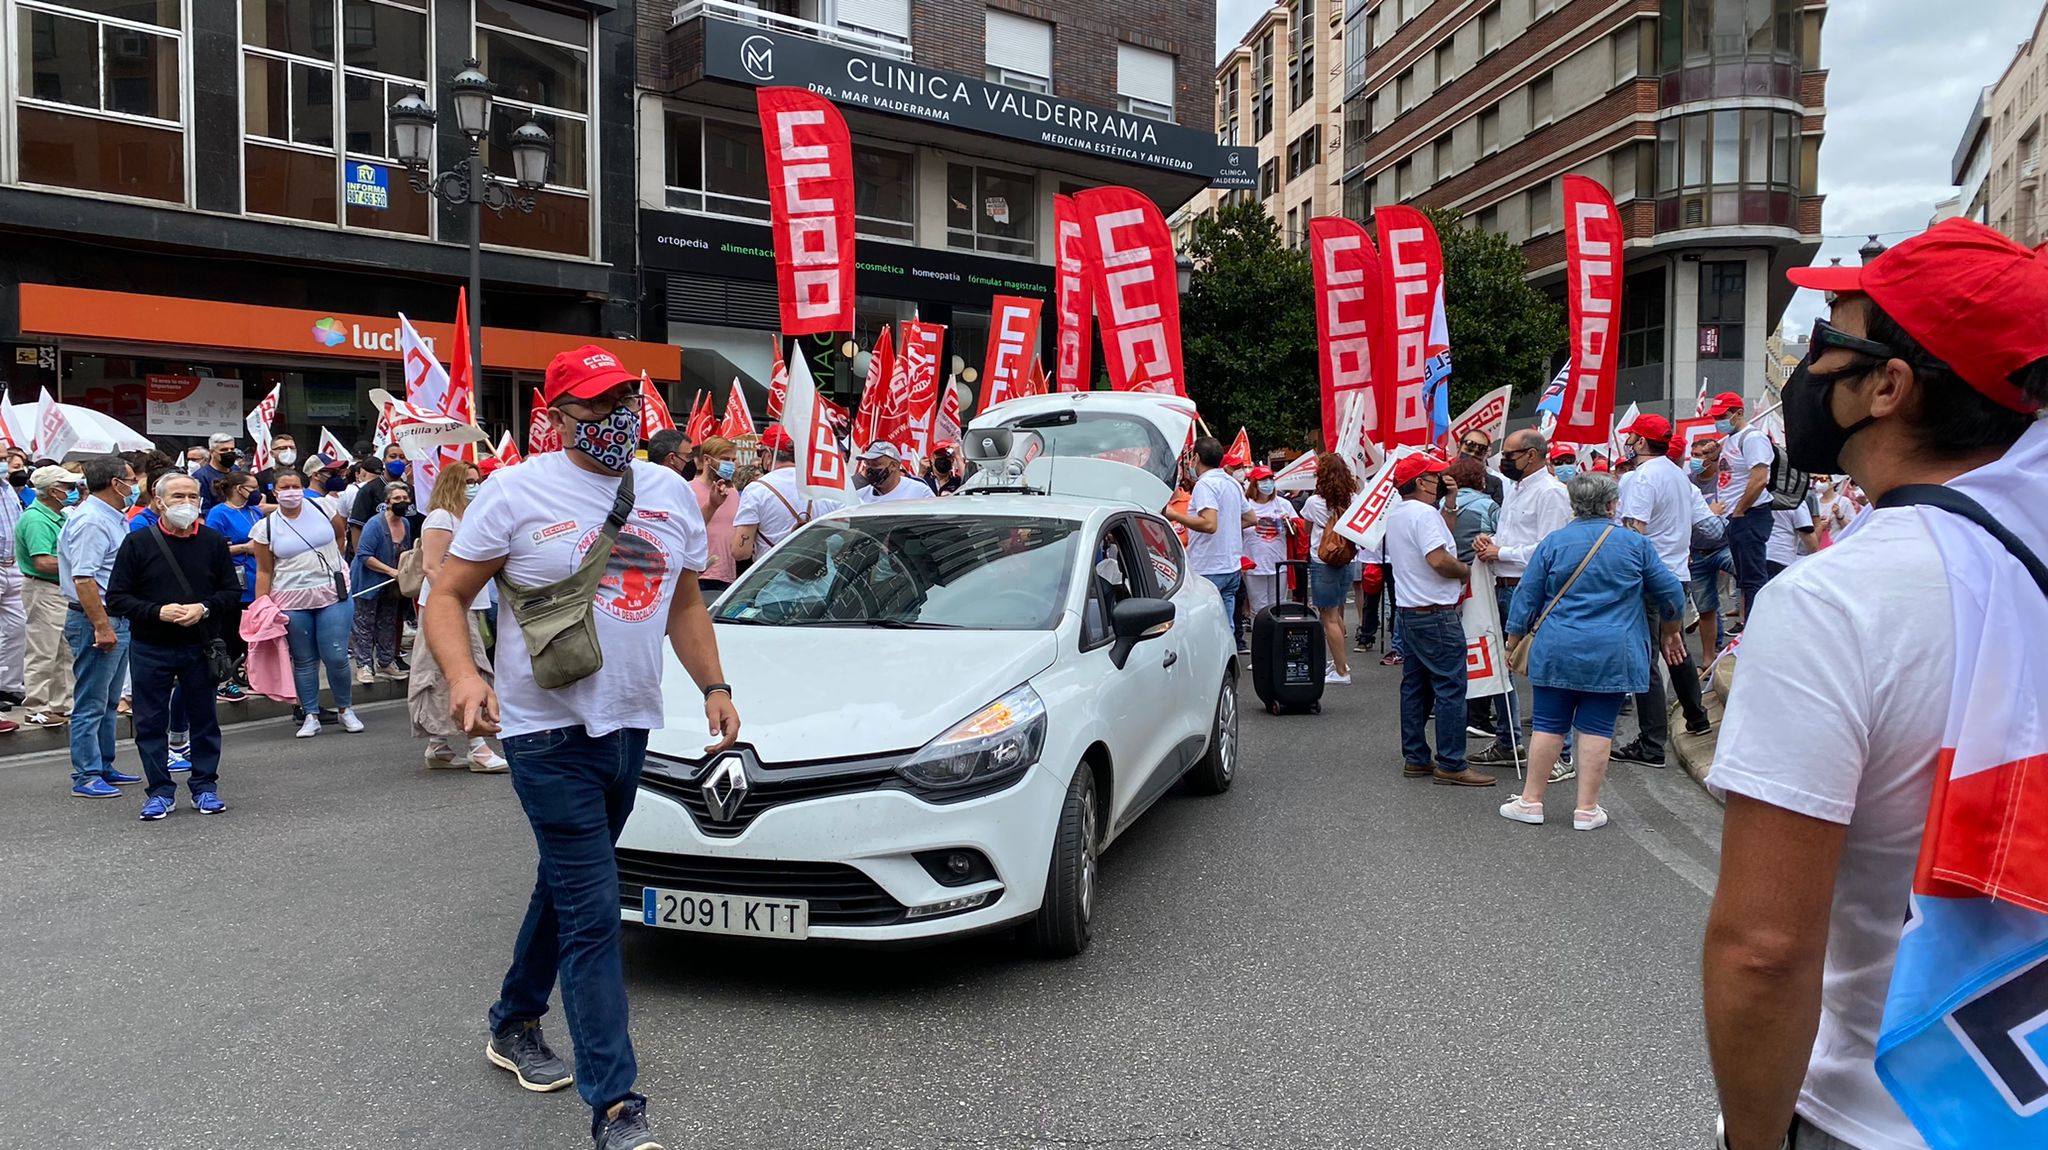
(1328, 956)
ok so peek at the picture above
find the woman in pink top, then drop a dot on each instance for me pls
(718, 500)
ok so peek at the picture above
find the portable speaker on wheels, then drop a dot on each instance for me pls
(1288, 659)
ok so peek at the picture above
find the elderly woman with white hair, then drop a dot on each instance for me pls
(1580, 608)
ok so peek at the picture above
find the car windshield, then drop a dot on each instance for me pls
(1104, 435)
(998, 573)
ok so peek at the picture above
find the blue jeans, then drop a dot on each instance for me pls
(318, 637)
(166, 678)
(1706, 578)
(1433, 643)
(577, 791)
(95, 695)
(1747, 536)
(1228, 586)
(1507, 733)
(1558, 710)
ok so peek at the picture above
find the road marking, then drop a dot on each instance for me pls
(1653, 840)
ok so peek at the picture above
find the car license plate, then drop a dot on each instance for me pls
(725, 913)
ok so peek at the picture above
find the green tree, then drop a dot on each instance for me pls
(1248, 331)
(1502, 330)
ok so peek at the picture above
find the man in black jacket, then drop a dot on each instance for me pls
(171, 582)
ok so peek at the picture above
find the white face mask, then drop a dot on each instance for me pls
(287, 457)
(182, 516)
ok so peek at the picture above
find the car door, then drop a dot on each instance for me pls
(1128, 700)
(1186, 711)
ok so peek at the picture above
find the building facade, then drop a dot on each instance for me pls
(1702, 117)
(1279, 101)
(967, 119)
(200, 201)
(2015, 111)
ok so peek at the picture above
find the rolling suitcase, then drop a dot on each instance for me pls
(1288, 659)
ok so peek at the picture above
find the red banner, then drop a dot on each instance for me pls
(541, 436)
(701, 425)
(810, 194)
(1348, 308)
(1071, 299)
(1130, 271)
(738, 421)
(1592, 277)
(1012, 341)
(920, 359)
(778, 382)
(1411, 276)
(874, 392)
(654, 413)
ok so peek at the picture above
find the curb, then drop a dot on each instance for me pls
(1696, 752)
(257, 709)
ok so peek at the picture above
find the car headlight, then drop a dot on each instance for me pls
(996, 742)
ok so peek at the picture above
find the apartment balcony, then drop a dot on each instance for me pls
(808, 19)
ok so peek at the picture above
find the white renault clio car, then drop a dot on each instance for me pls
(951, 706)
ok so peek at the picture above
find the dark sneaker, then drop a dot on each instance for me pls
(1391, 659)
(627, 1130)
(1494, 755)
(1703, 728)
(1633, 752)
(521, 1049)
(1465, 778)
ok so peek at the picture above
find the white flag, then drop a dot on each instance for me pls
(821, 470)
(258, 424)
(1489, 413)
(1365, 521)
(331, 450)
(1486, 671)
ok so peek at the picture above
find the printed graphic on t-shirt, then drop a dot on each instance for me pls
(633, 578)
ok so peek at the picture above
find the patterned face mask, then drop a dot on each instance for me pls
(611, 440)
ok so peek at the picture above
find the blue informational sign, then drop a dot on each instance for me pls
(369, 185)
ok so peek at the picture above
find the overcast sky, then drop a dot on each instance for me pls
(1900, 89)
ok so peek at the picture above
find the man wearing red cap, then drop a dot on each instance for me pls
(1658, 501)
(576, 749)
(1428, 584)
(1893, 659)
(775, 504)
(1747, 453)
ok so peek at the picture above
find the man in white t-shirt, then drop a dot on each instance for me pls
(1791, 538)
(1428, 583)
(1748, 454)
(1659, 502)
(576, 750)
(774, 504)
(1931, 370)
(882, 466)
(1215, 521)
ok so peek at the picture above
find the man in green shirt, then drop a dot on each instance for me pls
(48, 683)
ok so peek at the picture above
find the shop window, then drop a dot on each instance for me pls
(1019, 51)
(1642, 320)
(317, 78)
(1144, 82)
(1724, 295)
(989, 210)
(539, 57)
(100, 103)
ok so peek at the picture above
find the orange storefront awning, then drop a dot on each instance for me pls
(127, 317)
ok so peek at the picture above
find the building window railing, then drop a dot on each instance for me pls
(859, 38)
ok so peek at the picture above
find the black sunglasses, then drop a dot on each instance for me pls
(1826, 335)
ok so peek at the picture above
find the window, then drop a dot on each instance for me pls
(1723, 298)
(1163, 548)
(1269, 178)
(1404, 92)
(1262, 104)
(1541, 217)
(1226, 114)
(1357, 42)
(101, 105)
(1446, 64)
(1642, 320)
(1489, 218)
(1445, 165)
(1404, 179)
(889, 19)
(1627, 53)
(1489, 31)
(540, 59)
(1308, 212)
(1301, 76)
(1540, 100)
(299, 148)
(1357, 198)
(1357, 130)
(1019, 51)
(989, 210)
(1293, 227)
(1376, 22)
(1699, 31)
(1756, 149)
(717, 167)
(1304, 153)
(1489, 131)
(1144, 82)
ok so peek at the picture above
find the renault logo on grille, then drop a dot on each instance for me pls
(725, 788)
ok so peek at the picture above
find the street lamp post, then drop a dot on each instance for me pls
(469, 182)
(1871, 249)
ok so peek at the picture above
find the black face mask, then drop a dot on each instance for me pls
(1813, 440)
(1511, 466)
(876, 476)
(689, 470)
(18, 478)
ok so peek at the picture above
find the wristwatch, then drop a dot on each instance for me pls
(712, 688)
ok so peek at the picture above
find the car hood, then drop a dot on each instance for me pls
(808, 693)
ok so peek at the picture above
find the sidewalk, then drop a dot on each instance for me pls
(1696, 752)
(37, 740)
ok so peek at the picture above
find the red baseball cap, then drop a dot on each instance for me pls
(1412, 467)
(583, 373)
(1260, 472)
(1724, 403)
(1651, 427)
(1562, 451)
(1967, 293)
(776, 438)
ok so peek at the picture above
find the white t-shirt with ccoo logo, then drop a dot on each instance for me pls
(542, 517)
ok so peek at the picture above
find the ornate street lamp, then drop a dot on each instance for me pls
(1871, 249)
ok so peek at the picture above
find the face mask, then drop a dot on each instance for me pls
(226, 461)
(470, 490)
(1511, 466)
(134, 493)
(334, 483)
(1725, 426)
(70, 496)
(192, 466)
(1566, 472)
(395, 469)
(287, 457)
(611, 440)
(876, 476)
(18, 478)
(399, 507)
(1813, 440)
(1265, 487)
(727, 469)
(291, 499)
(182, 517)
(1693, 467)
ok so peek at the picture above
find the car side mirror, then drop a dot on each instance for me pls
(1135, 620)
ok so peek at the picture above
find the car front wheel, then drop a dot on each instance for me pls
(1061, 929)
(1213, 773)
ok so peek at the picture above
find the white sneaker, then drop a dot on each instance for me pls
(349, 722)
(1522, 811)
(1591, 820)
(1339, 680)
(310, 727)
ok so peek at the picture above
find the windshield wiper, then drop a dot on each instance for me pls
(889, 624)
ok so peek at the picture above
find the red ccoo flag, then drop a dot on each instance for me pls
(1592, 275)
(810, 184)
(874, 393)
(654, 413)
(541, 436)
(739, 420)
(508, 451)
(1240, 453)
(1128, 254)
(778, 381)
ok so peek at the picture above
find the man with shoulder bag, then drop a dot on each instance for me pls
(596, 559)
